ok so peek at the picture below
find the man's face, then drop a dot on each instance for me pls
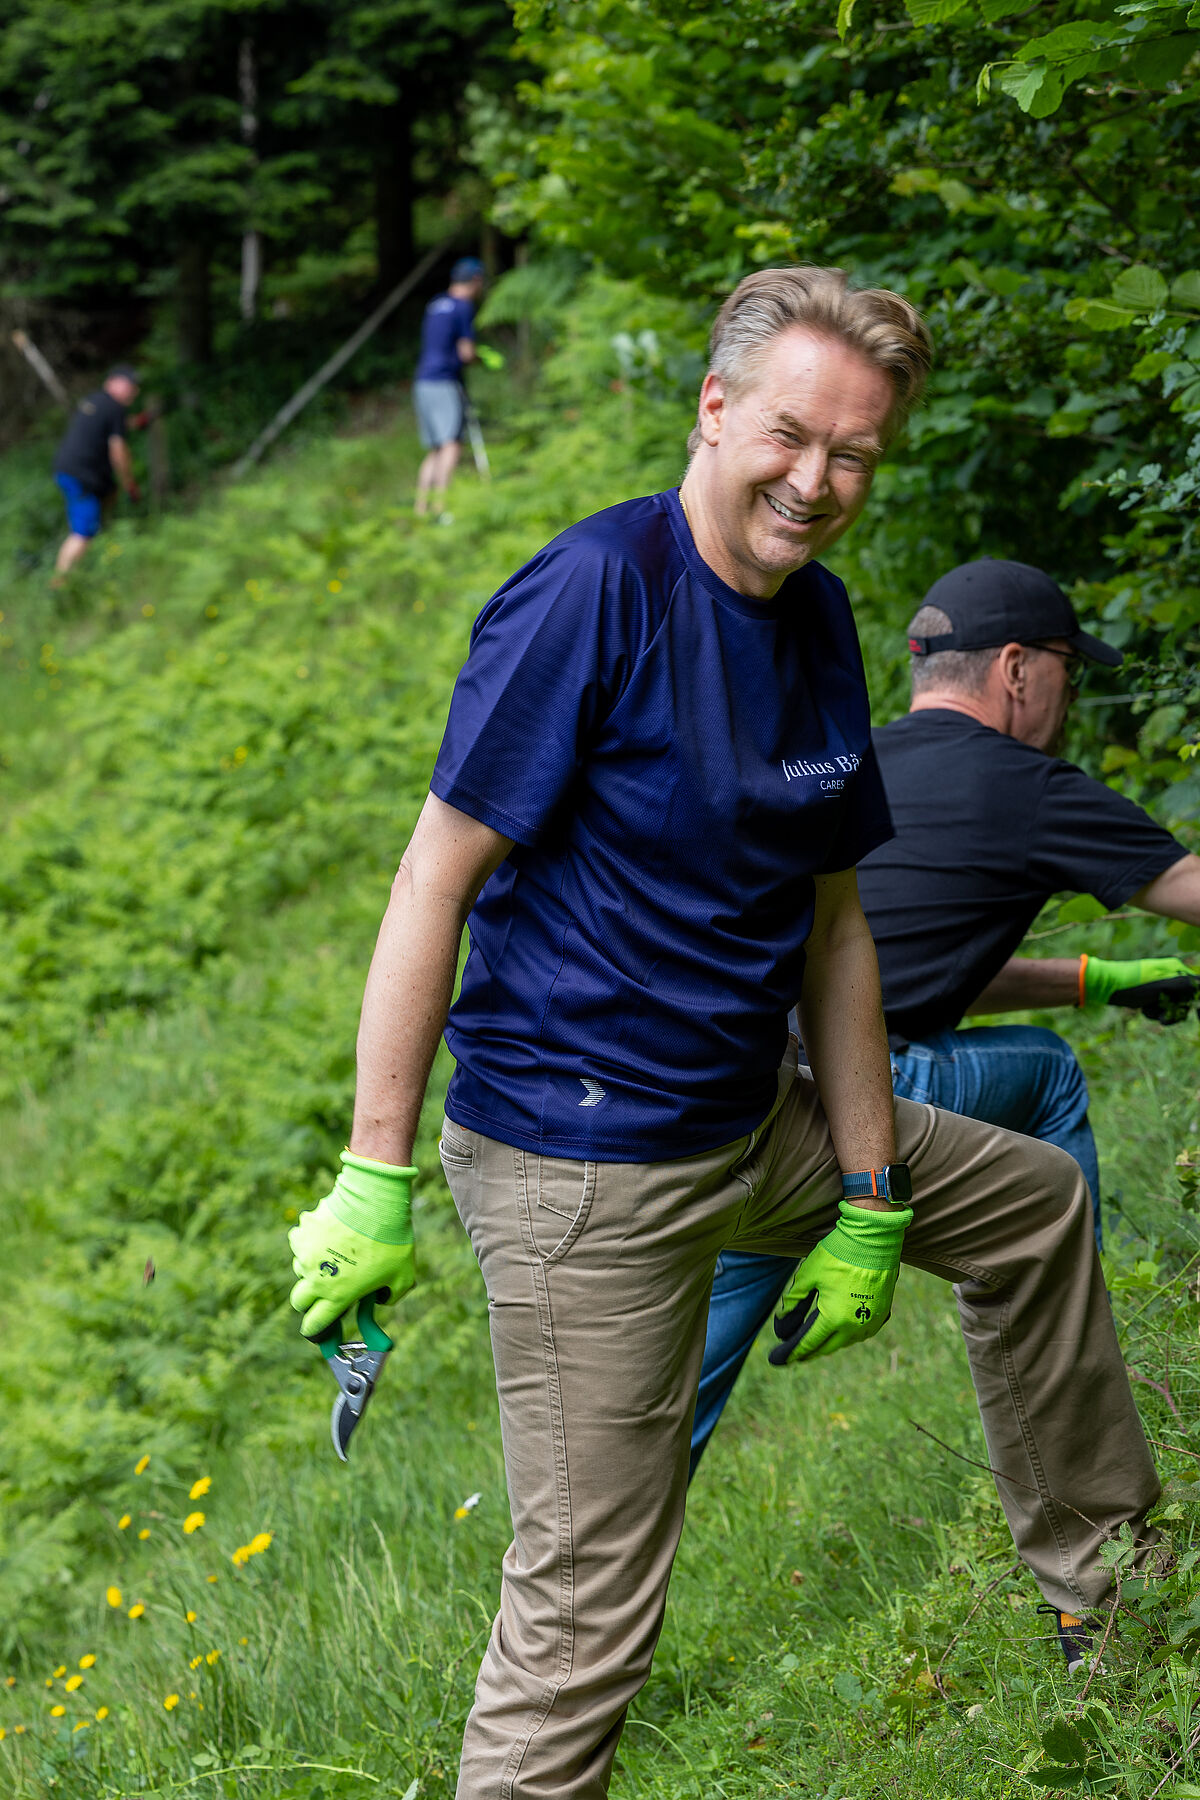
(122, 389)
(793, 456)
(1047, 695)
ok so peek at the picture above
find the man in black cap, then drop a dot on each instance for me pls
(989, 823)
(92, 458)
(447, 346)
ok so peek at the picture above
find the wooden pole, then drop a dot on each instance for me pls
(338, 360)
(41, 367)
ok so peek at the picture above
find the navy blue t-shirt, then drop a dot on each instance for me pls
(675, 761)
(446, 320)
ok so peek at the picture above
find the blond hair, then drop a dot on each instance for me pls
(885, 329)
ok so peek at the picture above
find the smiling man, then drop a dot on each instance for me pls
(655, 784)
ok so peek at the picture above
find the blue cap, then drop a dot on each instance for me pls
(468, 268)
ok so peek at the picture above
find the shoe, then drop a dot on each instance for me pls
(1075, 1636)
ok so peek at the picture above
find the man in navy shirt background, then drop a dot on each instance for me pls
(655, 783)
(447, 346)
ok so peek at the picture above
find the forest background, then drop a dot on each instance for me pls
(213, 743)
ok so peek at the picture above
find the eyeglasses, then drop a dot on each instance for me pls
(1076, 665)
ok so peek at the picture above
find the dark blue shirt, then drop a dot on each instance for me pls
(446, 320)
(675, 762)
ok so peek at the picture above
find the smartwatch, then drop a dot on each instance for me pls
(893, 1183)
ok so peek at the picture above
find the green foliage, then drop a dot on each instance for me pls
(1051, 243)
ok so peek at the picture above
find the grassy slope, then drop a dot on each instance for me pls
(201, 822)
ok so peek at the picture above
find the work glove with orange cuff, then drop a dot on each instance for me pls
(1161, 987)
(357, 1243)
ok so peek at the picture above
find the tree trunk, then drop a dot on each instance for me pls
(394, 249)
(251, 241)
(194, 302)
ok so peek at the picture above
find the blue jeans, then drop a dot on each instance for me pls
(1018, 1076)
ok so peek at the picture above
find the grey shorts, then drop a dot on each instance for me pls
(439, 409)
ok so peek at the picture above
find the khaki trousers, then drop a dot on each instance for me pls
(598, 1278)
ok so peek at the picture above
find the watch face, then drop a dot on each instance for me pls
(899, 1182)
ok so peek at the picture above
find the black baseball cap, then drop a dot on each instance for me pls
(991, 602)
(125, 370)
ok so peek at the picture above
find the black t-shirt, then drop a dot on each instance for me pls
(987, 829)
(83, 452)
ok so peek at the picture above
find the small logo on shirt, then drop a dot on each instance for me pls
(836, 769)
(594, 1094)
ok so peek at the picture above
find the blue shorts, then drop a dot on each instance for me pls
(439, 409)
(83, 507)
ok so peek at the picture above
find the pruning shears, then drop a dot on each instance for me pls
(356, 1367)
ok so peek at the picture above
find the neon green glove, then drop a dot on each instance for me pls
(358, 1241)
(1100, 980)
(842, 1291)
(490, 357)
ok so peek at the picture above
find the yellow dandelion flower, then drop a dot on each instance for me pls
(210, 1578)
(243, 1641)
(10, 1681)
(19, 1730)
(60, 1671)
(189, 1618)
(260, 1541)
(200, 1488)
(49, 1681)
(56, 1712)
(136, 1611)
(144, 1533)
(113, 1596)
(193, 1522)
(142, 1464)
(335, 587)
(240, 1556)
(171, 1702)
(211, 1658)
(72, 1682)
(124, 1522)
(81, 1725)
(87, 1662)
(195, 1662)
(460, 1512)
(102, 1712)
(192, 1694)
(3, 1734)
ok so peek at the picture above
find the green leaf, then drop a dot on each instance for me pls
(1150, 365)
(1057, 1778)
(1099, 315)
(1162, 61)
(1186, 287)
(933, 12)
(1036, 87)
(845, 17)
(848, 1687)
(1140, 287)
(1065, 42)
(1061, 1739)
(1001, 9)
(1080, 909)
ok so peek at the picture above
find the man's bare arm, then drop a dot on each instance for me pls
(122, 465)
(467, 353)
(411, 979)
(1175, 894)
(841, 1018)
(1028, 981)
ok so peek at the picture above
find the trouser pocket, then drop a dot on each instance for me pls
(555, 1195)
